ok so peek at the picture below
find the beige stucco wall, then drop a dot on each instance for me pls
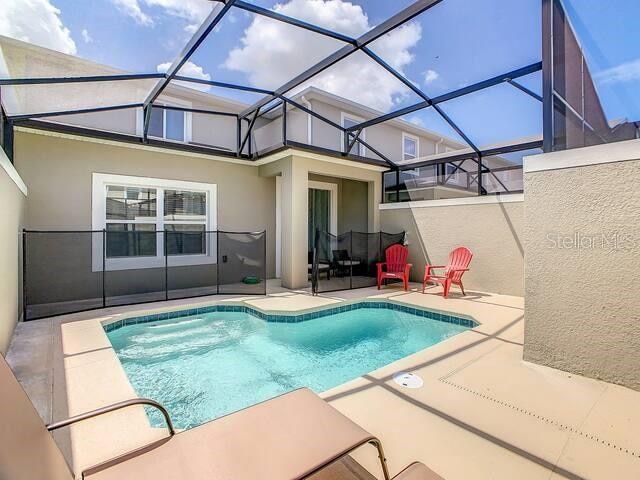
(12, 200)
(295, 171)
(582, 280)
(493, 232)
(58, 173)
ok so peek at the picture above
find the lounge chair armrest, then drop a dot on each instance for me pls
(428, 268)
(112, 408)
(458, 269)
(407, 267)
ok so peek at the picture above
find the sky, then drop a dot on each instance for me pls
(455, 43)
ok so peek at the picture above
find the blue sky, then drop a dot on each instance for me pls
(456, 43)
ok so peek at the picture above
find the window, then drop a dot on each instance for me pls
(350, 121)
(409, 147)
(139, 214)
(174, 125)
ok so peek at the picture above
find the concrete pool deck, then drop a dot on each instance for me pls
(482, 413)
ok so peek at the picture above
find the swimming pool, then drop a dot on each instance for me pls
(202, 364)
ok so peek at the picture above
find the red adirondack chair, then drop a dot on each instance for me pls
(459, 260)
(396, 265)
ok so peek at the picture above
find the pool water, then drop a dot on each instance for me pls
(207, 365)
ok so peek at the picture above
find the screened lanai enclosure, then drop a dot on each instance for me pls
(487, 78)
(474, 87)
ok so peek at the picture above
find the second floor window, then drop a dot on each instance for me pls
(168, 124)
(409, 147)
(351, 121)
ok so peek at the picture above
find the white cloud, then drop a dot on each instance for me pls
(416, 121)
(193, 11)
(132, 8)
(85, 36)
(625, 72)
(191, 70)
(38, 22)
(430, 76)
(272, 52)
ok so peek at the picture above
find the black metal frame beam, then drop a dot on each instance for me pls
(59, 113)
(195, 110)
(520, 72)
(362, 41)
(213, 83)
(196, 40)
(250, 7)
(81, 79)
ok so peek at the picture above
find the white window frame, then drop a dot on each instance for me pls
(100, 181)
(362, 151)
(406, 135)
(171, 102)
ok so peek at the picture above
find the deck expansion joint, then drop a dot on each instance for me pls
(542, 418)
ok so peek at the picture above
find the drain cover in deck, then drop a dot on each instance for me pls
(408, 380)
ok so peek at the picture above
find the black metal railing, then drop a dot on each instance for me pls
(348, 260)
(73, 271)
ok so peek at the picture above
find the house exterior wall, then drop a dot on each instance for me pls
(490, 226)
(384, 137)
(13, 200)
(59, 173)
(582, 238)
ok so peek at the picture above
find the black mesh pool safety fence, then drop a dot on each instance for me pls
(72, 271)
(348, 260)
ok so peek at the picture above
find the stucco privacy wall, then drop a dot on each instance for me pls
(12, 198)
(58, 172)
(582, 281)
(490, 226)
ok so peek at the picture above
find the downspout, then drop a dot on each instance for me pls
(307, 104)
(439, 142)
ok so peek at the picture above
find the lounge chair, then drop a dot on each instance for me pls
(323, 267)
(343, 263)
(291, 436)
(459, 260)
(395, 266)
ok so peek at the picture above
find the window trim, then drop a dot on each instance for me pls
(362, 150)
(406, 135)
(99, 221)
(172, 102)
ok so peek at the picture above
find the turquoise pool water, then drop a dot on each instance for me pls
(206, 365)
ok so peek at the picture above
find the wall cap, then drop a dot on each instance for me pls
(585, 156)
(13, 174)
(447, 202)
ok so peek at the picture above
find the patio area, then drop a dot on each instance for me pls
(481, 413)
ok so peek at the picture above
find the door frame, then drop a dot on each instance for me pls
(332, 188)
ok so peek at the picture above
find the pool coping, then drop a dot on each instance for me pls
(293, 316)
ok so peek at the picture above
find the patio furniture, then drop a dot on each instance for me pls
(459, 260)
(291, 436)
(343, 263)
(395, 266)
(323, 267)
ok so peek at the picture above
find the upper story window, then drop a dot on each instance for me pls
(409, 147)
(140, 214)
(174, 125)
(348, 121)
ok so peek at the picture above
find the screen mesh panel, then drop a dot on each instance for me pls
(348, 260)
(63, 271)
(242, 263)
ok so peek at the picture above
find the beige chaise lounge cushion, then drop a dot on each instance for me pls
(287, 437)
(417, 471)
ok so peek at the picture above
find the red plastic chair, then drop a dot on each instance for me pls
(459, 260)
(396, 265)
